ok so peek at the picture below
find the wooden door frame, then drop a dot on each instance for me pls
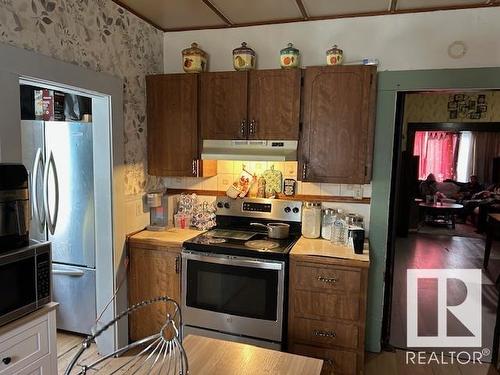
(390, 84)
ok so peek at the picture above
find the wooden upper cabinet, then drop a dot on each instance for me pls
(337, 136)
(172, 108)
(274, 104)
(223, 105)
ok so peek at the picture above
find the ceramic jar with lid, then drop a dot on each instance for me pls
(289, 57)
(311, 219)
(334, 56)
(194, 59)
(243, 57)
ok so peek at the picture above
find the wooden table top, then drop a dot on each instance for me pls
(209, 356)
(441, 205)
(171, 237)
(495, 217)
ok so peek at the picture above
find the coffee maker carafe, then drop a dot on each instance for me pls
(14, 207)
(157, 203)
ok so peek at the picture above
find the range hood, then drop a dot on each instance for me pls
(252, 150)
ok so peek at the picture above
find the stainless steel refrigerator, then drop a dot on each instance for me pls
(58, 156)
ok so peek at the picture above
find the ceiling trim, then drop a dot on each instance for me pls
(302, 9)
(229, 24)
(221, 15)
(135, 13)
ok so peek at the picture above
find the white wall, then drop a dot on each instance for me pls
(400, 42)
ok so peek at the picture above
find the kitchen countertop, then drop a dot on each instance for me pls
(211, 356)
(171, 237)
(324, 248)
(27, 318)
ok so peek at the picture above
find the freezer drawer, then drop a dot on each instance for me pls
(75, 290)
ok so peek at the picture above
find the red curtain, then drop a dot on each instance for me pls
(438, 154)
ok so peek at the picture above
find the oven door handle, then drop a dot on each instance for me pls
(234, 261)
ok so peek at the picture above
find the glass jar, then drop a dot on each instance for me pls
(311, 219)
(327, 222)
(340, 229)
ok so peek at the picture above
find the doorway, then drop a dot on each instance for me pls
(18, 65)
(442, 233)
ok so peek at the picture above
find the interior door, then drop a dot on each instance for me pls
(74, 288)
(69, 184)
(337, 137)
(223, 105)
(172, 124)
(274, 104)
(33, 157)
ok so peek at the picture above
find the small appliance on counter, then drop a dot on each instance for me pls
(14, 207)
(25, 282)
(157, 203)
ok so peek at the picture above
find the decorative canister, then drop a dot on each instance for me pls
(289, 57)
(334, 56)
(194, 59)
(243, 57)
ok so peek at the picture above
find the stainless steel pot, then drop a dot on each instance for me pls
(275, 230)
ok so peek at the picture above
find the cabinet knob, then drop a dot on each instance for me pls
(194, 166)
(243, 128)
(328, 280)
(252, 128)
(6, 360)
(320, 333)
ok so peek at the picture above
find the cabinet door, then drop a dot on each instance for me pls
(337, 137)
(274, 104)
(223, 105)
(152, 273)
(172, 124)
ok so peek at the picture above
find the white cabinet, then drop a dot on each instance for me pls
(28, 345)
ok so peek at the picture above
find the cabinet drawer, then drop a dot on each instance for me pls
(25, 347)
(326, 334)
(307, 304)
(334, 361)
(328, 279)
(43, 366)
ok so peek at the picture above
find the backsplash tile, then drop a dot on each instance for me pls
(229, 171)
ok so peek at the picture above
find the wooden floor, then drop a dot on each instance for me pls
(441, 251)
(385, 363)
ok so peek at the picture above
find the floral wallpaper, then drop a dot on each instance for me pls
(99, 35)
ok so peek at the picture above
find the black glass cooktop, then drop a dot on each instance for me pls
(241, 243)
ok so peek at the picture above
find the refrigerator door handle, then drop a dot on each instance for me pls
(68, 273)
(51, 221)
(34, 190)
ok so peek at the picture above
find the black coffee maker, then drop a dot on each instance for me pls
(14, 206)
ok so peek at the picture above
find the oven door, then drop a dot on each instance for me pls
(17, 284)
(236, 295)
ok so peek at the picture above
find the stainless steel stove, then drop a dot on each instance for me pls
(234, 278)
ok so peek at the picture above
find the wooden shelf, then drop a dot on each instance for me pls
(298, 197)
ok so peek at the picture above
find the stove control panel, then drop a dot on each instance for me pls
(270, 209)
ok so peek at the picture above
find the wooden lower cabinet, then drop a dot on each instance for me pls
(327, 312)
(153, 272)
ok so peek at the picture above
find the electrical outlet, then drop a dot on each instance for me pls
(357, 192)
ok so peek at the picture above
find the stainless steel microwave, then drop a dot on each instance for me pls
(25, 280)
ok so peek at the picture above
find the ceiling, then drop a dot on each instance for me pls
(179, 15)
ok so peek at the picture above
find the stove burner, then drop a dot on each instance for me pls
(262, 244)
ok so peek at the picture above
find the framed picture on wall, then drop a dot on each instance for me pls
(453, 114)
(481, 99)
(482, 108)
